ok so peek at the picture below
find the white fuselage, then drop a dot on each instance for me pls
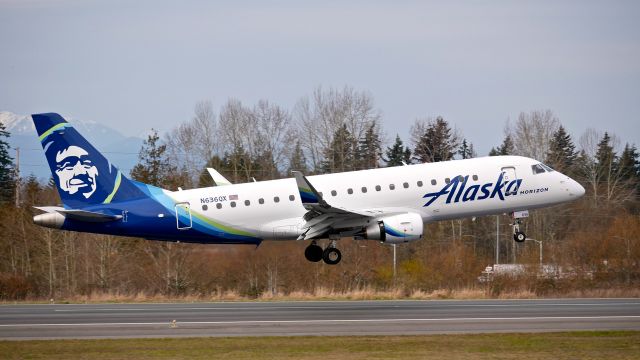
(273, 210)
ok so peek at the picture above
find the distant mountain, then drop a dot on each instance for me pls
(121, 150)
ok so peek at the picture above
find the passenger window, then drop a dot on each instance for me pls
(537, 169)
(349, 191)
(392, 187)
(205, 207)
(233, 204)
(434, 182)
(291, 197)
(320, 193)
(447, 180)
(406, 185)
(364, 189)
(247, 203)
(334, 193)
(475, 177)
(378, 188)
(276, 199)
(261, 201)
(461, 178)
(419, 183)
(219, 205)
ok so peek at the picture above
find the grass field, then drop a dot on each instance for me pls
(569, 345)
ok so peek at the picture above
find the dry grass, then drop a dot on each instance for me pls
(321, 293)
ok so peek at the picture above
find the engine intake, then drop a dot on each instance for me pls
(396, 229)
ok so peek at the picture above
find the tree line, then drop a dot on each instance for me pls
(333, 130)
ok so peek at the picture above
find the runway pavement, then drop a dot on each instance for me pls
(315, 318)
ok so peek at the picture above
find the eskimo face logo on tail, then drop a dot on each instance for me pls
(76, 172)
(458, 190)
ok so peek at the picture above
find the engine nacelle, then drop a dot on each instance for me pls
(396, 229)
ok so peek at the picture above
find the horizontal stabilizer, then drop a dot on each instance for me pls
(80, 215)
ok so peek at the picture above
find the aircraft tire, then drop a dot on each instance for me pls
(519, 236)
(331, 256)
(313, 253)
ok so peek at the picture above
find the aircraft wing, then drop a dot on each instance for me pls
(218, 179)
(321, 217)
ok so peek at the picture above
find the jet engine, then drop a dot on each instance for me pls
(395, 229)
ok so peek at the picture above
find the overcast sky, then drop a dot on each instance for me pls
(141, 64)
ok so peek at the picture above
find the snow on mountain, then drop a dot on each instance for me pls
(121, 150)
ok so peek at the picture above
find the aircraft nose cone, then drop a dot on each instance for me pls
(576, 189)
(580, 190)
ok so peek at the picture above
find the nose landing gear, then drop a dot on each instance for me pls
(330, 255)
(519, 236)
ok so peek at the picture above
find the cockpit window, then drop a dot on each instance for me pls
(546, 167)
(537, 169)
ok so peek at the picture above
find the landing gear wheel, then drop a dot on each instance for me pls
(331, 256)
(313, 253)
(519, 236)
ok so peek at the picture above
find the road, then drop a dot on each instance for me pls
(21, 322)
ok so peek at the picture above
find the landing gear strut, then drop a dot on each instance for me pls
(519, 236)
(331, 255)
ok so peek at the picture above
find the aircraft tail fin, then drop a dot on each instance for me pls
(82, 174)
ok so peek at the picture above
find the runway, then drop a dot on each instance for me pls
(19, 322)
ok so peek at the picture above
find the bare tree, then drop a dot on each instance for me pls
(193, 143)
(274, 136)
(532, 133)
(239, 129)
(320, 116)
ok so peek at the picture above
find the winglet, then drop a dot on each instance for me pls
(308, 194)
(217, 178)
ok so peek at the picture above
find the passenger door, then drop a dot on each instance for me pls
(509, 174)
(183, 215)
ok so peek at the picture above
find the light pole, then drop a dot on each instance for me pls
(539, 243)
(497, 239)
(394, 263)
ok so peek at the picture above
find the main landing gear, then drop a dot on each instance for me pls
(331, 255)
(519, 236)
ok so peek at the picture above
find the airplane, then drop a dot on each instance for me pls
(389, 205)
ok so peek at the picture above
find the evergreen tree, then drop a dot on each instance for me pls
(297, 161)
(7, 169)
(339, 156)
(369, 149)
(263, 167)
(506, 148)
(154, 167)
(437, 143)
(562, 154)
(222, 165)
(397, 153)
(466, 150)
(605, 157)
(407, 156)
(31, 189)
(629, 167)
